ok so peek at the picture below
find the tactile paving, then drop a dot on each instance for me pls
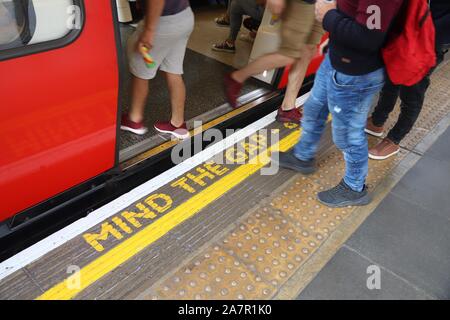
(272, 242)
(215, 274)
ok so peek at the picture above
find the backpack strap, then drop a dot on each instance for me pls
(426, 15)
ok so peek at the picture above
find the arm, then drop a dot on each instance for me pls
(348, 32)
(153, 11)
(276, 6)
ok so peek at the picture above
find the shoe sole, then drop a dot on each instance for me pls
(222, 25)
(139, 132)
(371, 156)
(176, 135)
(223, 50)
(364, 201)
(373, 133)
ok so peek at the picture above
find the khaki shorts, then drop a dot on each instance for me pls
(169, 46)
(299, 27)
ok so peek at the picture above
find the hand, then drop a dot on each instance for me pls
(276, 6)
(145, 39)
(322, 8)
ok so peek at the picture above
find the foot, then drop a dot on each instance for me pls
(224, 47)
(287, 160)
(180, 132)
(383, 150)
(222, 22)
(232, 90)
(247, 37)
(131, 126)
(293, 115)
(342, 196)
(373, 129)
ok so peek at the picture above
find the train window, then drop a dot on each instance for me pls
(27, 25)
(13, 23)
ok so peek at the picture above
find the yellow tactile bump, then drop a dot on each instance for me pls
(215, 274)
(271, 245)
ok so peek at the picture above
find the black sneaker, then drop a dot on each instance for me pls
(224, 47)
(287, 160)
(342, 196)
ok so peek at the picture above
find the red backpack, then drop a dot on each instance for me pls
(410, 50)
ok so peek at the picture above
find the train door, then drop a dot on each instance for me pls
(58, 98)
(204, 69)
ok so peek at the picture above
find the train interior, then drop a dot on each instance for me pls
(203, 74)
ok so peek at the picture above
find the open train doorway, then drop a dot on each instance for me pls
(204, 67)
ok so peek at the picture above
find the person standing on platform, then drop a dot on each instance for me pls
(412, 97)
(345, 86)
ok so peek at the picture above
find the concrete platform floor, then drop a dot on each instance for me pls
(407, 238)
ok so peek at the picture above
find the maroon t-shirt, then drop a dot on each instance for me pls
(174, 6)
(355, 44)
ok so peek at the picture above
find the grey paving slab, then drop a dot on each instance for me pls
(440, 150)
(345, 278)
(410, 241)
(427, 185)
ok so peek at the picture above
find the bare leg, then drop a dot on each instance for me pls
(177, 92)
(296, 77)
(139, 93)
(267, 62)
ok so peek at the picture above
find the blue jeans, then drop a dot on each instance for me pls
(349, 100)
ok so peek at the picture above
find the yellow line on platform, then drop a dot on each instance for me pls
(124, 251)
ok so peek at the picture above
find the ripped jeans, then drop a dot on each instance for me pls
(349, 100)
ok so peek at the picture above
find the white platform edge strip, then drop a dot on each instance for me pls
(71, 231)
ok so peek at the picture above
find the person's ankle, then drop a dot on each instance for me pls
(137, 118)
(287, 108)
(236, 77)
(376, 123)
(394, 141)
(176, 123)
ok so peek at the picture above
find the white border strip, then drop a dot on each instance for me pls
(66, 234)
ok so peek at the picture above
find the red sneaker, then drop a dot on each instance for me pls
(134, 127)
(167, 127)
(293, 115)
(232, 90)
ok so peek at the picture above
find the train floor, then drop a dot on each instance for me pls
(204, 70)
(225, 225)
